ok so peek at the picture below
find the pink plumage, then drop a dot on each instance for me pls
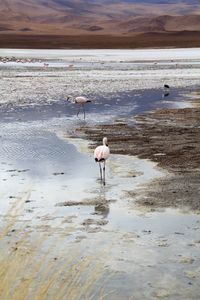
(101, 153)
(81, 100)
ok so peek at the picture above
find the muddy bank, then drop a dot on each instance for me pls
(169, 137)
(99, 41)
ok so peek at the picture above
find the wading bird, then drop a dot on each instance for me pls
(101, 154)
(81, 100)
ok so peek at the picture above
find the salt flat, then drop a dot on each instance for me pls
(107, 54)
(93, 73)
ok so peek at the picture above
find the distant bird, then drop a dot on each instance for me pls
(101, 154)
(166, 86)
(81, 100)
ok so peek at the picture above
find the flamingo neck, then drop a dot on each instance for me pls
(105, 142)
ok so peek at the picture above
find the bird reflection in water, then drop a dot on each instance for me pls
(102, 208)
(166, 94)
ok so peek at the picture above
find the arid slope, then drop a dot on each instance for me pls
(102, 19)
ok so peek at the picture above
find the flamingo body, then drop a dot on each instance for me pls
(81, 100)
(101, 153)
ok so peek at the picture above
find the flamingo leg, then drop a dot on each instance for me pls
(78, 111)
(100, 170)
(104, 172)
(84, 110)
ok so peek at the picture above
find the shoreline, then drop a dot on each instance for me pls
(108, 54)
(168, 137)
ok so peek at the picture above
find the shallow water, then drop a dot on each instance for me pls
(101, 109)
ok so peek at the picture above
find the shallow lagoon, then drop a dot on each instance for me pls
(65, 235)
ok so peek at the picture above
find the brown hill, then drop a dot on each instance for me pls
(101, 18)
(162, 23)
(81, 16)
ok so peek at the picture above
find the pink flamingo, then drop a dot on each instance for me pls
(101, 154)
(81, 100)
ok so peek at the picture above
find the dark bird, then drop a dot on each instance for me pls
(166, 86)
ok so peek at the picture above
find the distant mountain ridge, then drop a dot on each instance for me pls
(110, 17)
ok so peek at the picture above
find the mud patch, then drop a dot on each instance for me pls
(84, 202)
